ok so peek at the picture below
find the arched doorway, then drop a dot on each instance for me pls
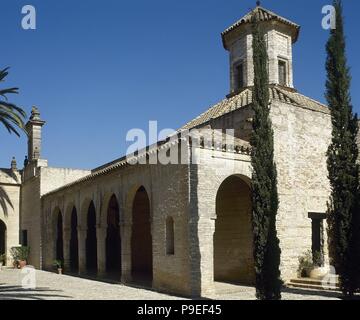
(233, 238)
(59, 237)
(74, 243)
(113, 240)
(91, 245)
(2, 238)
(141, 239)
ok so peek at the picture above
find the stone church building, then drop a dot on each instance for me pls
(180, 228)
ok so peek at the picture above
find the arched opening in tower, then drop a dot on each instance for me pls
(233, 238)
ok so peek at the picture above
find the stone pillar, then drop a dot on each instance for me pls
(82, 249)
(125, 231)
(202, 257)
(66, 240)
(101, 233)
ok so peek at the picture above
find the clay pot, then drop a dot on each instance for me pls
(22, 264)
(60, 271)
(319, 273)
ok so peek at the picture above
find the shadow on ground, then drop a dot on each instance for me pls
(19, 293)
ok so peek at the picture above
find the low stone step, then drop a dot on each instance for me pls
(312, 287)
(331, 281)
(307, 283)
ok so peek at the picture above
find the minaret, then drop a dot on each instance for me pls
(280, 35)
(33, 128)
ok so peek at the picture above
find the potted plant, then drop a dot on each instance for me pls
(23, 256)
(58, 265)
(318, 271)
(305, 265)
(312, 266)
(20, 256)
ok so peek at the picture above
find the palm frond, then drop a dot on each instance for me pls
(11, 116)
(4, 73)
(4, 92)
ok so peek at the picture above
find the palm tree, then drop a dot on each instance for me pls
(11, 116)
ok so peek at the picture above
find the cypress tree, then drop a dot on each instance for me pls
(264, 178)
(343, 213)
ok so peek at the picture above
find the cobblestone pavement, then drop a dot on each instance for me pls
(51, 286)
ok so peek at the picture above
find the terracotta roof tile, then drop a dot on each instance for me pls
(245, 98)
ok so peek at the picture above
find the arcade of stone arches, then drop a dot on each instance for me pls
(232, 237)
(70, 237)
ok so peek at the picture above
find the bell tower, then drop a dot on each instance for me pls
(34, 128)
(280, 35)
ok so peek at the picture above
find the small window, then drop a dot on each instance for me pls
(239, 76)
(282, 73)
(170, 237)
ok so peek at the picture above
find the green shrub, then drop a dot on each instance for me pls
(20, 253)
(58, 264)
(305, 264)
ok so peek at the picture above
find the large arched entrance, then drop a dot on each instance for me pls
(59, 237)
(91, 245)
(233, 238)
(141, 239)
(113, 241)
(2, 238)
(74, 243)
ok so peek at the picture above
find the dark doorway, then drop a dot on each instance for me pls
(2, 238)
(317, 245)
(91, 245)
(141, 240)
(113, 241)
(59, 238)
(74, 243)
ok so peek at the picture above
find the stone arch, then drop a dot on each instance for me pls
(74, 240)
(70, 205)
(141, 238)
(3, 238)
(113, 237)
(233, 237)
(58, 228)
(91, 239)
(82, 215)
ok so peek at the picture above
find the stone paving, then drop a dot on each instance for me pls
(51, 286)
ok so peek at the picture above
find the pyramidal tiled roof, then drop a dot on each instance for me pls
(263, 15)
(245, 98)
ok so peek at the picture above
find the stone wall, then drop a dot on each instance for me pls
(279, 46)
(10, 184)
(167, 189)
(38, 181)
(212, 169)
(301, 140)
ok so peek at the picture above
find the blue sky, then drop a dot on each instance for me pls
(97, 69)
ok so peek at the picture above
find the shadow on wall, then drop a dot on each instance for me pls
(5, 201)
